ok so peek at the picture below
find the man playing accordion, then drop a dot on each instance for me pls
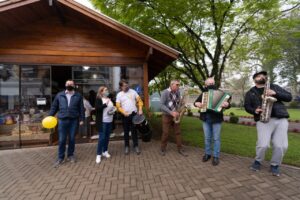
(212, 120)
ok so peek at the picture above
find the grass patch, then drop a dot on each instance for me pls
(237, 139)
(294, 113)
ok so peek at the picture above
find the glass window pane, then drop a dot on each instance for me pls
(9, 106)
(35, 103)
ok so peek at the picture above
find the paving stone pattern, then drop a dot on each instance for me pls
(29, 174)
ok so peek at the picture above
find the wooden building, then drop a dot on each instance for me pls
(45, 42)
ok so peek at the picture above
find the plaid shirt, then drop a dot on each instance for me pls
(175, 98)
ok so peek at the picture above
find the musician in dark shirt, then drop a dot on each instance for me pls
(276, 128)
(211, 126)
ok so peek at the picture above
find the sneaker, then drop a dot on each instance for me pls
(137, 150)
(206, 157)
(98, 159)
(106, 154)
(72, 159)
(275, 170)
(58, 163)
(215, 161)
(181, 152)
(126, 150)
(255, 166)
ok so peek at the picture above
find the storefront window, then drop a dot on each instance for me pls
(134, 75)
(35, 103)
(26, 94)
(9, 106)
(91, 78)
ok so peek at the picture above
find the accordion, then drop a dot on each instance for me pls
(213, 100)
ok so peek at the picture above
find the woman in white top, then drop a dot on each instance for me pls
(104, 118)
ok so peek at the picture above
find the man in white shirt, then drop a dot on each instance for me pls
(126, 103)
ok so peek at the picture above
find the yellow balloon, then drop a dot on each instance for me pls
(49, 122)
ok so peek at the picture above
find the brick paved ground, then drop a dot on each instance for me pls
(29, 174)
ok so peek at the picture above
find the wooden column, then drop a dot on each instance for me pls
(146, 90)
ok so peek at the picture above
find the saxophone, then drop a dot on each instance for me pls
(181, 108)
(267, 104)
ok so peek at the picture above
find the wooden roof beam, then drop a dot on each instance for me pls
(4, 6)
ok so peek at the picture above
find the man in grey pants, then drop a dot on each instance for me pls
(276, 129)
(170, 99)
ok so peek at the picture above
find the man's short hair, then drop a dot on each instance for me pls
(122, 82)
(70, 80)
(174, 81)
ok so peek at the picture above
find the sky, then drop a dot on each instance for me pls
(87, 3)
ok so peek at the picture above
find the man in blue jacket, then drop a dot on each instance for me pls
(69, 105)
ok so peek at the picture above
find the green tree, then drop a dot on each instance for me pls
(205, 31)
(274, 49)
(162, 80)
(289, 66)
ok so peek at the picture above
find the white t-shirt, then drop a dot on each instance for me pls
(106, 117)
(128, 100)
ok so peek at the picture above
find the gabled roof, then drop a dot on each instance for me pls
(19, 13)
(11, 4)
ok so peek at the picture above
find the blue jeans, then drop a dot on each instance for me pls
(66, 127)
(103, 140)
(212, 131)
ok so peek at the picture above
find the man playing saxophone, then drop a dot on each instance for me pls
(273, 129)
(212, 122)
(170, 101)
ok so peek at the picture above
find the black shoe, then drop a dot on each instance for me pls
(71, 159)
(206, 157)
(275, 170)
(181, 152)
(58, 163)
(255, 166)
(215, 161)
(162, 152)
